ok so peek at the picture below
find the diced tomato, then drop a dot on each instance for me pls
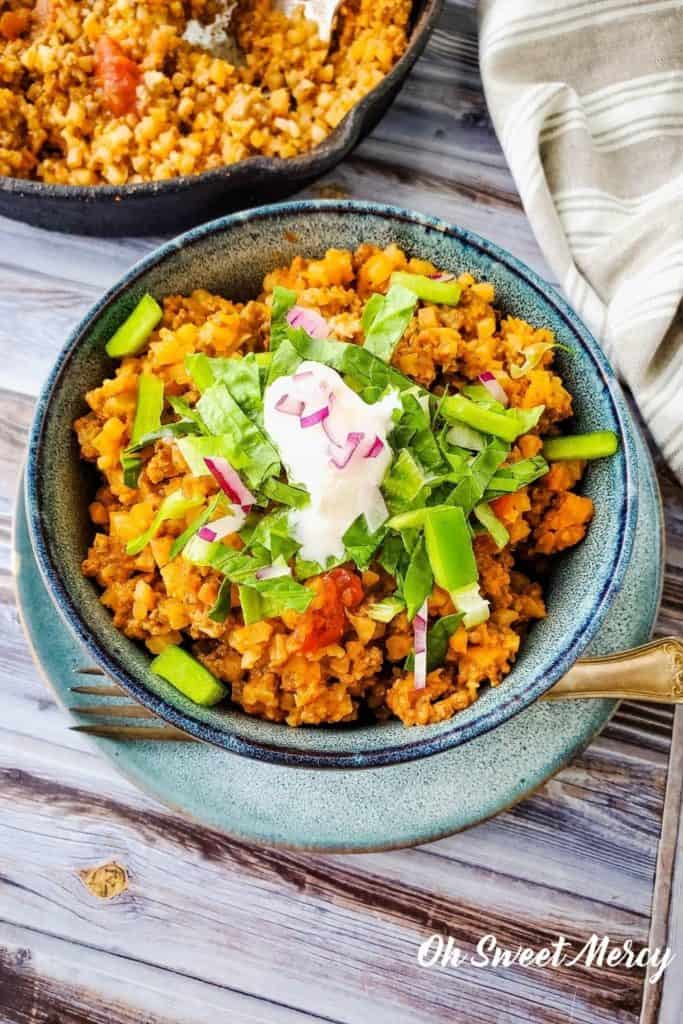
(325, 621)
(14, 23)
(118, 76)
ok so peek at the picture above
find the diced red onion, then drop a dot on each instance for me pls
(289, 405)
(420, 635)
(330, 436)
(375, 448)
(493, 387)
(229, 481)
(341, 459)
(311, 419)
(313, 323)
(220, 528)
(442, 277)
(272, 572)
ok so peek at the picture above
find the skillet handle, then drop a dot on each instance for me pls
(653, 672)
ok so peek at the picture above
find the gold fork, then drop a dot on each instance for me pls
(651, 673)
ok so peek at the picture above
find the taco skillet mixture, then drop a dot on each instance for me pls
(334, 501)
(97, 92)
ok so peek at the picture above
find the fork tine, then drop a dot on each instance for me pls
(113, 710)
(100, 690)
(135, 732)
(89, 670)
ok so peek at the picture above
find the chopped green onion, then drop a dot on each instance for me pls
(195, 526)
(596, 445)
(150, 404)
(174, 506)
(507, 425)
(387, 609)
(474, 608)
(134, 332)
(189, 676)
(449, 546)
(491, 523)
(429, 289)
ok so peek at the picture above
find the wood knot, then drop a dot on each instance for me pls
(106, 881)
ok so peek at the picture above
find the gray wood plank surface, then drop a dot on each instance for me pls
(213, 929)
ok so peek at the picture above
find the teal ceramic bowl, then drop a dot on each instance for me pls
(231, 256)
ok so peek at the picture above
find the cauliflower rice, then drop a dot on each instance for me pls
(271, 668)
(116, 91)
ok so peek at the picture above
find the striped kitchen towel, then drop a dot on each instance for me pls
(587, 100)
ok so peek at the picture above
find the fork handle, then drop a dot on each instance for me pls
(653, 673)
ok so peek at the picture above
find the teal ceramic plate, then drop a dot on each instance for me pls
(377, 808)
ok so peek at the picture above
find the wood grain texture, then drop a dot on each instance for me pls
(214, 929)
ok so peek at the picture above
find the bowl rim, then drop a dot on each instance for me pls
(424, 746)
(336, 144)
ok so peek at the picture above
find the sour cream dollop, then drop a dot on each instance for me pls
(337, 495)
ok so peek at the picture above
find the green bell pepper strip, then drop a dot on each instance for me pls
(189, 676)
(150, 405)
(449, 546)
(133, 334)
(446, 293)
(174, 506)
(596, 445)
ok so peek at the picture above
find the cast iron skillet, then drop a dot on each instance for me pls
(163, 207)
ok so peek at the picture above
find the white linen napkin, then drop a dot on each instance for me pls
(587, 99)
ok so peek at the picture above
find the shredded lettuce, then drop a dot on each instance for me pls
(385, 321)
(419, 579)
(285, 494)
(386, 609)
(251, 604)
(223, 417)
(405, 482)
(518, 474)
(273, 536)
(240, 374)
(437, 642)
(360, 544)
(479, 472)
(195, 449)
